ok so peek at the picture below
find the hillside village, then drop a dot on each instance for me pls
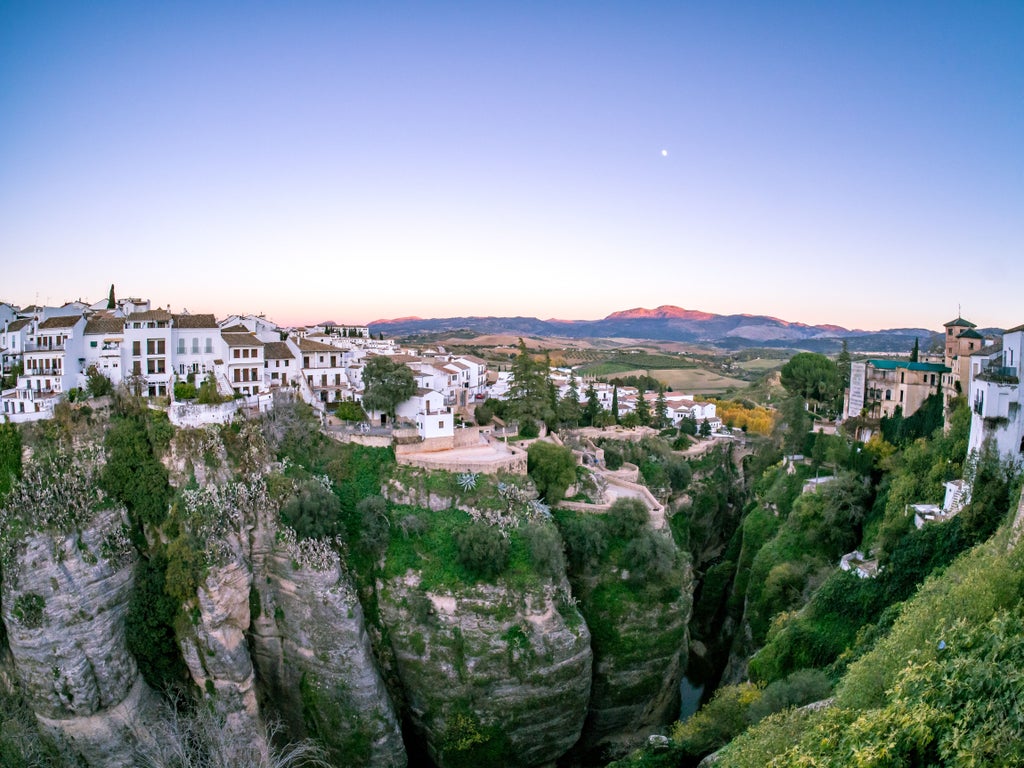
(50, 352)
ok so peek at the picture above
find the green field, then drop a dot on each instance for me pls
(759, 365)
(691, 380)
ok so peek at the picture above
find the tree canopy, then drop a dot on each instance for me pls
(387, 383)
(812, 377)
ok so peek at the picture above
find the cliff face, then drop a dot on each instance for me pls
(311, 648)
(492, 674)
(64, 603)
(217, 656)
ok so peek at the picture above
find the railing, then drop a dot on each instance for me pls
(999, 374)
(43, 372)
(36, 347)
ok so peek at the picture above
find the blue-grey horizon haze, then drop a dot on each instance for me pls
(852, 163)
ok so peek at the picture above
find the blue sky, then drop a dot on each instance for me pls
(855, 163)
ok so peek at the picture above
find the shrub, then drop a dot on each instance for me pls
(184, 390)
(374, 525)
(483, 415)
(612, 458)
(650, 558)
(350, 410)
(546, 550)
(528, 428)
(626, 518)
(482, 550)
(802, 687)
(585, 541)
(552, 469)
(313, 512)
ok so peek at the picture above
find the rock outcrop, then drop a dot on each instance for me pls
(492, 674)
(312, 651)
(64, 603)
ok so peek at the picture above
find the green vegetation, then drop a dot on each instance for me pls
(387, 383)
(10, 458)
(133, 473)
(552, 469)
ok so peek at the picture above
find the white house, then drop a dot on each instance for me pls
(147, 351)
(428, 410)
(244, 362)
(325, 369)
(54, 355)
(13, 338)
(995, 397)
(197, 343)
(103, 339)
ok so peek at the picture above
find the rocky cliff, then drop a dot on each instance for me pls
(492, 673)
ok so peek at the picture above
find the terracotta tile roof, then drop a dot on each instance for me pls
(67, 321)
(195, 321)
(152, 314)
(1018, 329)
(236, 328)
(99, 325)
(17, 325)
(308, 345)
(277, 350)
(241, 339)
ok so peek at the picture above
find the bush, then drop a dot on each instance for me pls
(313, 512)
(626, 518)
(802, 687)
(483, 415)
(375, 527)
(585, 541)
(612, 458)
(546, 550)
(350, 410)
(482, 550)
(650, 558)
(552, 469)
(184, 390)
(528, 428)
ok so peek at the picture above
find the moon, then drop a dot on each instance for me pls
(664, 153)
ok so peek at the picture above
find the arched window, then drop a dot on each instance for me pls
(888, 394)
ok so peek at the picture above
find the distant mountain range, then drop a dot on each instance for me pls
(669, 323)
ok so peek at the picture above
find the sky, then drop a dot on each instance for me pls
(856, 163)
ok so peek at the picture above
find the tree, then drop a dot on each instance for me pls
(593, 407)
(705, 428)
(111, 302)
(661, 410)
(387, 383)
(10, 457)
(812, 377)
(915, 353)
(552, 469)
(529, 395)
(482, 548)
(615, 404)
(843, 364)
(643, 409)
(569, 406)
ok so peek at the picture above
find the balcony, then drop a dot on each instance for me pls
(998, 374)
(36, 347)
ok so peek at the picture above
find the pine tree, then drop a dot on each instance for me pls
(615, 404)
(111, 302)
(661, 410)
(643, 409)
(843, 364)
(593, 407)
(915, 353)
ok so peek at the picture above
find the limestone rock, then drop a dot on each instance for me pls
(492, 673)
(64, 607)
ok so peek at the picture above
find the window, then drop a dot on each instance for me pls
(136, 348)
(137, 367)
(92, 344)
(155, 346)
(236, 353)
(195, 345)
(181, 346)
(155, 366)
(440, 425)
(209, 346)
(238, 374)
(888, 394)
